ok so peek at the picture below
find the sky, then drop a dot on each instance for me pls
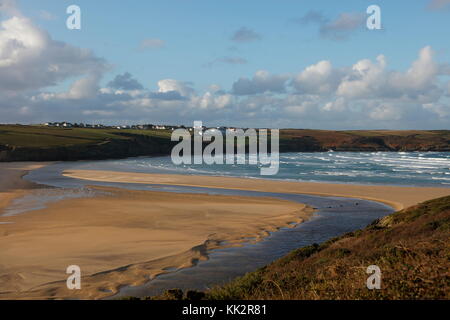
(274, 64)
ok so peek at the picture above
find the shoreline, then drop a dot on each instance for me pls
(398, 197)
(12, 184)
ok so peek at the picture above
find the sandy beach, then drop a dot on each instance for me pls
(395, 196)
(122, 237)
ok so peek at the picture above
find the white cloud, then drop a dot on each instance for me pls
(30, 59)
(369, 79)
(365, 79)
(171, 85)
(319, 78)
(365, 95)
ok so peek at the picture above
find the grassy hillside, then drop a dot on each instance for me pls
(44, 137)
(40, 143)
(411, 247)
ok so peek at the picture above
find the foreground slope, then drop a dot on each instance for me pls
(411, 247)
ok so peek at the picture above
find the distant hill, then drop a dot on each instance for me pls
(40, 143)
(411, 247)
(380, 140)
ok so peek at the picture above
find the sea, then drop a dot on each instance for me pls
(373, 168)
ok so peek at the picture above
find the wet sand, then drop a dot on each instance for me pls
(395, 196)
(123, 237)
(11, 183)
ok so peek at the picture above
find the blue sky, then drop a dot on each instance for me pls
(198, 32)
(192, 43)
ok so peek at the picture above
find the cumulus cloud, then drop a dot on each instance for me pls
(30, 59)
(210, 101)
(364, 79)
(371, 79)
(261, 82)
(319, 78)
(171, 85)
(245, 34)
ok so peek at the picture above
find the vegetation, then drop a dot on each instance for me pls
(41, 143)
(411, 247)
(365, 140)
(44, 137)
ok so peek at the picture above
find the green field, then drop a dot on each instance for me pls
(44, 137)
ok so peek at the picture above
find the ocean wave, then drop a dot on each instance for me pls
(402, 168)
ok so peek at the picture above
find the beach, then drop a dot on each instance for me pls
(123, 237)
(395, 196)
(126, 237)
(11, 183)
